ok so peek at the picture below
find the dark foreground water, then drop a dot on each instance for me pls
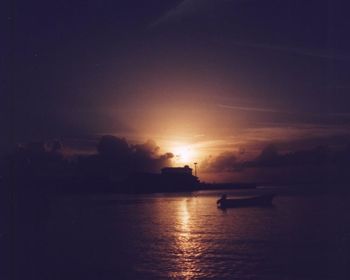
(184, 236)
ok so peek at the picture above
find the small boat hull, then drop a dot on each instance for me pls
(261, 200)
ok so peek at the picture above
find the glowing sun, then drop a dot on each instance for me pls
(184, 154)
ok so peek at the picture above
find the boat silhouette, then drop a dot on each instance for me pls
(259, 200)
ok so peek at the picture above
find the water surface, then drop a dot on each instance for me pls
(185, 236)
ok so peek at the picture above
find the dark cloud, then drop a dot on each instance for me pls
(271, 164)
(221, 163)
(114, 158)
(119, 158)
(320, 155)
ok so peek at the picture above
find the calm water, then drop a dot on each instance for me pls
(184, 236)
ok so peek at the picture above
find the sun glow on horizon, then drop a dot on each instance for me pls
(184, 154)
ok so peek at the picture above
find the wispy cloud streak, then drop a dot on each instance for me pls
(325, 54)
(254, 109)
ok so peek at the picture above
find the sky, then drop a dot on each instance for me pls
(206, 76)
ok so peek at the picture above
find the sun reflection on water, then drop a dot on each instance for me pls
(188, 249)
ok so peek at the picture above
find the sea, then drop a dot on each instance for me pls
(180, 236)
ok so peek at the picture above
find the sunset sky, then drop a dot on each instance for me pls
(199, 77)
